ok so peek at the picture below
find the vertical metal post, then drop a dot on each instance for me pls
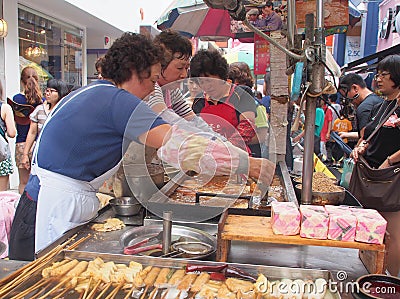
(308, 158)
(167, 230)
(291, 21)
(317, 77)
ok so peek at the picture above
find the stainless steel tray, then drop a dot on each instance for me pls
(271, 272)
(138, 234)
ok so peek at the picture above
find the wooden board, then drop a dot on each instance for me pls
(258, 229)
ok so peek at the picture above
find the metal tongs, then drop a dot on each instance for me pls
(142, 245)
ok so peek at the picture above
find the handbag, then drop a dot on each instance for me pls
(376, 188)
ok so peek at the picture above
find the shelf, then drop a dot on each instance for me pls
(259, 229)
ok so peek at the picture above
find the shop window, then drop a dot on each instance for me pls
(52, 47)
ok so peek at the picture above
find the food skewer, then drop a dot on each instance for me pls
(79, 242)
(91, 294)
(144, 293)
(87, 289)
(115, 291)
(153, 293)
(150, 279)
(130, 292)
(62, 282)
(31, 288)
(62, 293)
(104, 290)
(40, 292)
(162, 281)
(200, 281)
(26, 272)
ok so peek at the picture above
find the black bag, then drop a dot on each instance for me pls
(376, 188)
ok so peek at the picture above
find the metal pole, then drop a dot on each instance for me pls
(167, 230)
(316, 87)
(291, 21)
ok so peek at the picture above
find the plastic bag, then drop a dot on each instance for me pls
(348, 166)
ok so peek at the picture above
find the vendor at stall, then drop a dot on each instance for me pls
(228, 109)
(81, 146)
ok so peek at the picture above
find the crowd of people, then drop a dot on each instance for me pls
(382, 151)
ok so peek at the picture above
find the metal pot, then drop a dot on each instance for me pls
(377, 286)
(325, 198)
(125, 206)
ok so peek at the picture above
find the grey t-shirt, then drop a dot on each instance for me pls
(364, 110)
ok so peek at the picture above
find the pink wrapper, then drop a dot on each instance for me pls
(314, 222)
(285, 218)
(342, 227)
(371, 226)
(330, 209)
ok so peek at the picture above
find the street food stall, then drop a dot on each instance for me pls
(120, 245)
(235, 254)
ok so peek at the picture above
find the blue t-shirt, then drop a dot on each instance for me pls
(83, 138)
(22, 130)
(266, 102)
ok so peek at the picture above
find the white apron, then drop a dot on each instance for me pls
(63, 203)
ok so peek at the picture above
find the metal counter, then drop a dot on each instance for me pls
(344, 264)
(9, 266)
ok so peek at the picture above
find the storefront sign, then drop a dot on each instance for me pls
(353, 50)
(336, 12)
(261, 55)
(73, 40)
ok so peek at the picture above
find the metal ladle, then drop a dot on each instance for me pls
(192, 248)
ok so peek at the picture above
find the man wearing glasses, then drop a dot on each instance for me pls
(353, 87)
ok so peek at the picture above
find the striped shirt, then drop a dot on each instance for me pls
(172, 98)
(39, 116)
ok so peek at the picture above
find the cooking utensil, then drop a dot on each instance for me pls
(179, 233)
(139, 246)
(210, 194)
(125, 206)
(136, 250)
(190, 248)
